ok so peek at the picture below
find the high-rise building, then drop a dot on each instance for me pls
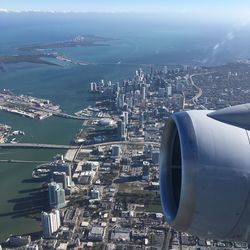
(179, 86)
(151, 71)
(145, 170)
(93, 87)
(61, 177)
(125, 117)
(121, 130)
(140, 72)
(50, 223)
(130, 102)
(117, 86)
(165, 70)
(205, 100)
(61, 166)
(161, 92)
(116, 151)
(155, 156)
(143, 92)
(121, 100)
(141, 119)
(56, 195)
(95, 194)
(148, 151)
(169, 90)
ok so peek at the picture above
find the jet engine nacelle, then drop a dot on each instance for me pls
(205, 175)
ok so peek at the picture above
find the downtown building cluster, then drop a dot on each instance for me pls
(105, 195)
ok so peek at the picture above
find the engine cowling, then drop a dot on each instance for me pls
(205, 176)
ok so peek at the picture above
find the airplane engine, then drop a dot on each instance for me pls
(205, 175)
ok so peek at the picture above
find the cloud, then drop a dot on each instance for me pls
(230, 36)
(4, 10)
(36, 11)
(216, 46)
(62, 11)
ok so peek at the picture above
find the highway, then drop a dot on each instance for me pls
(52, 146)
(199, 94)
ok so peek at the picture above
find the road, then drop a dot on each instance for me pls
(121, 143)
(52, 146)
(199, 94)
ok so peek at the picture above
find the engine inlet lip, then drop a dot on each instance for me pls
(179, 217)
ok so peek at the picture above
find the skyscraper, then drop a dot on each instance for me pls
(61, 166)
(121, 100)
(141, 119)
(145, 170)
(155, 156)
(161, 92)
(125, 117)
(121, 130)
(60, 177)
(93, 87)
(50, 223)
(56, 195)
(169, 90)
(143, 92)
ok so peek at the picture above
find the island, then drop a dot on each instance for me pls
(81, 40)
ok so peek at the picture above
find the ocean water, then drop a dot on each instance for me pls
(136, 42)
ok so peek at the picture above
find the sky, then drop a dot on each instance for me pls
(210, 8)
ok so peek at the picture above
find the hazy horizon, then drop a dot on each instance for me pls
(226, 10)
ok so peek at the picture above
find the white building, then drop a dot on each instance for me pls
(31, 247)
(143, 94)
(169, 90)
(50, 223)
(93, 87)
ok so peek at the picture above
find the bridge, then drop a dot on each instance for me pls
(22, 161)
(52, 146)
(122, 143)
(36, 145)
(67, 116)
